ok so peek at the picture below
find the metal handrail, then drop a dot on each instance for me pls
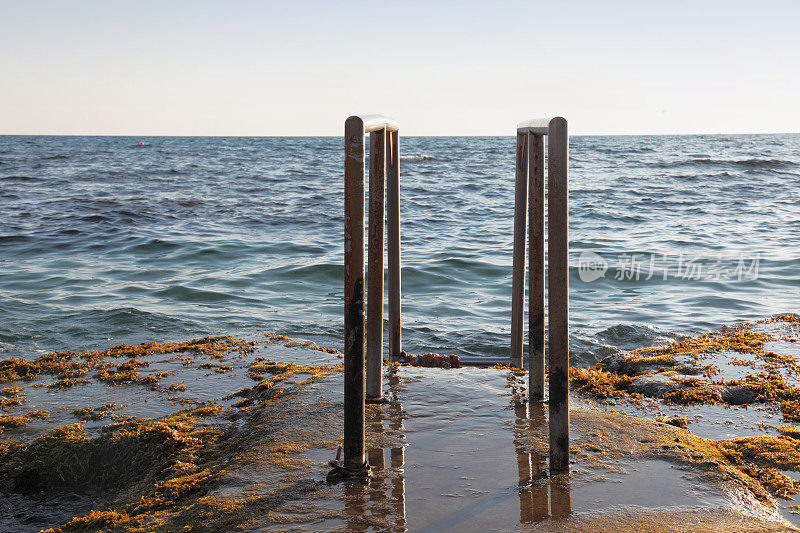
(537, 126)
(529, 207)
(372, 123)
(384, 201)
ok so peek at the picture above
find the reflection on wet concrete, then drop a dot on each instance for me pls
(384, 494)
(463, 451)
(446, 444)
(355, 506)
(539, 496)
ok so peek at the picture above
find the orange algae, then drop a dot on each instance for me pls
(72, 365)
(782, 452)
(10, 392)
(282, 371)
(628, 376)
(158, 472)
(677, 421)
(777, 483)
(693, 395)
(599, 383)
(122, 376)
(10, 402)
(8, 421)
(67, 383)
(10, 397)
(94, 520)
(96, 413)
(289, 343)
(791, 410)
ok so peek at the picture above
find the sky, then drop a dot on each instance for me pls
(438, 68)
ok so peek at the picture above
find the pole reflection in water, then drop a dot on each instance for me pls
(536, 488)
(385, 493)
(355, 506)
(397, 454)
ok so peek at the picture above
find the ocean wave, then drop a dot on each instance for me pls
(416, 158)
(622, 151)
(21, 178)
(746, 164)
(587, 350)
(263, 218)
(320, 272)
(182, 293)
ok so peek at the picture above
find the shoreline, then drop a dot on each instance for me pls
(258, 420)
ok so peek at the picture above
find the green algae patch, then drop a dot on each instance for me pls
(123, 454)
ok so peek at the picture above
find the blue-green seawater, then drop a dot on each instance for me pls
(104, 240)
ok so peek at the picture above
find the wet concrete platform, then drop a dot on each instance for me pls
(450, 452)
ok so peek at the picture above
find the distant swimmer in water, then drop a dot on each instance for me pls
(141, 143)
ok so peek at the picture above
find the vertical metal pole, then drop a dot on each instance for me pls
(377, 180)
(393, 215)
(536, 267)
(558, 291)
(518, 276)
(354, 293)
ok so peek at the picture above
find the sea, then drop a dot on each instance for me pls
(110, 240)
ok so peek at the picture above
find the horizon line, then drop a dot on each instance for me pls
(407, 135)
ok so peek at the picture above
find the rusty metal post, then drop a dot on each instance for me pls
(354, 294)
(536, 267)
(558, 291)
(518, 275)
(355, 127)
(393, 244)
(377, 180)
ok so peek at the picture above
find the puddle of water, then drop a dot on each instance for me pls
(460, 465)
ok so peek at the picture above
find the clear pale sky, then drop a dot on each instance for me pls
(439, 68)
